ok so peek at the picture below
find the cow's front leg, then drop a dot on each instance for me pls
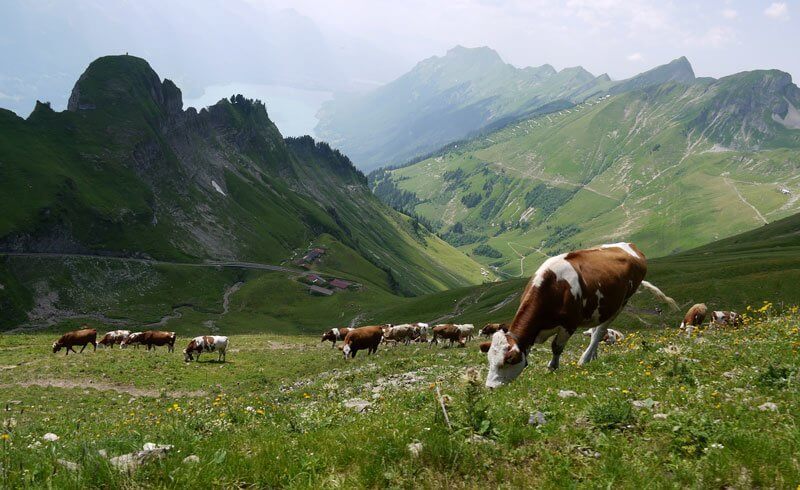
(84, 346)
(598, 335)
(557, 346)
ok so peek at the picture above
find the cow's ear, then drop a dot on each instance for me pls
(485, 346)
(513, 356)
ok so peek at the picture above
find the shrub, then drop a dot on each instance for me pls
(775, 377)
(616, 413)
(487, 251)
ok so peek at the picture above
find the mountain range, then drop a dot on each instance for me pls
(664, 159)
(126, 172)
(448, 98)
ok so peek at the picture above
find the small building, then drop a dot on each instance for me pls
(319, 291)
(315, 279)
(341, 283)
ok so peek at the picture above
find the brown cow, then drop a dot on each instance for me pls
(695, 316)
(585, 288)
(362, 338)
(82, 337)
(448, 331)
(114, 337)
(153, 338)
(490, 328)
(335, 334)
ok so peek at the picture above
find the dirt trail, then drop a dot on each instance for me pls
(741, 198)
(226, 298)
(100, 386)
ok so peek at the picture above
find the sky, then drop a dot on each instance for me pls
(300, 52)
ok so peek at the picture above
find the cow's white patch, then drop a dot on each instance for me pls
(563, 271)
(346, 350)
(335, 333)
(217, 188)
(624, 246)
(499, 372)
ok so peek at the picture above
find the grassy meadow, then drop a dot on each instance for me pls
(718, 409)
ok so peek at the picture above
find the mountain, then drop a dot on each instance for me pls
(126, 172)
(449, 98)
(670, 167)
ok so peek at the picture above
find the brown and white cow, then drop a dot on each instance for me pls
(726, 318)
(585, 288)
(114, 337)
(153, 338)
(131, 339)
(206, 343)
(448, 331)
(612, 336)
(362, 338)
(695, 316)
(404, 333)
(467, 330)
(490, 328)
(335, 334)
(82, 337)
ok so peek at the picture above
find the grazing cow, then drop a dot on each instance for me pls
(131, 339)
(582, 288)
(448, 331)
(421, 331)
(335, 334)
(695, 316)
(467, 330)
(114, 337)
(490, 328)
(612, 336)
(362, 338)
(726, 318)
(206, 343)
(153, 338)
(82, 337)
(399, 333)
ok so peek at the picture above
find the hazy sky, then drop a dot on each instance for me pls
(621, 37)
(326, 46)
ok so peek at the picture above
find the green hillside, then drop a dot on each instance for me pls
(126, 172)
(448, 98)
(670, 167)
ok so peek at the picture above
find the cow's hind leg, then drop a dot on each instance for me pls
(598, 335)
(557, 346)
(84, 346)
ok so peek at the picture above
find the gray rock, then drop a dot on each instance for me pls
(537, 419)
(566, 394)
(191, 459)
(358, 404)
(415, 449)
(768, 406)
(68, 464)
(132, 461)
(660, 416)
(649, 403)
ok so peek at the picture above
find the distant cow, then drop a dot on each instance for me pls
(77, 337)
(612, 336)
(467, 330)
(335, 334)
(362, 338)
(131, 339)
(448, 331)
(114, 337)
(421, 331)
(726, 318)
(586, 288)
(400, 333)
(153, 338)
(490, 328)
(695, 316)
(206, 343)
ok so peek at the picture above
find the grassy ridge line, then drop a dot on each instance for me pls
(280, 399)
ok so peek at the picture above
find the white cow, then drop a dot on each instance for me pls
(612, 336)
(467, 330)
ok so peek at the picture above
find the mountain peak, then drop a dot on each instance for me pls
(113, 80)
(677, 70)
(481, 53)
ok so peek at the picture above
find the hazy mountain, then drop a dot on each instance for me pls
(670, 166)
(126, 171)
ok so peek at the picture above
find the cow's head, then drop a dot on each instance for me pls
(187, 352)
(346, 350)
(329, 335)
(56, 347)
(506, 360)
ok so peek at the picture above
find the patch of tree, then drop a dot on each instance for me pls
(488, 208)
(547, 198)
(471, 200)
(454, 177)
(560, 234)
(338, 162)
(457, 237)
(487, 251)
(384, 187)
(656, 148)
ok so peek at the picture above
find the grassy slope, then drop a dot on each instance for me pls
(713, 435)
(624, 168)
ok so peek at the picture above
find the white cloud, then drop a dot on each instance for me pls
(730, 13)
(634, 57)
(778, 11)
(714, 37)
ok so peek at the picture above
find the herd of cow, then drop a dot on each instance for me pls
(584, 288)
(151, 339)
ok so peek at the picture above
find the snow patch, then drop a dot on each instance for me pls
(217, 188)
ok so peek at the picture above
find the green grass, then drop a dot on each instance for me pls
(298, 433)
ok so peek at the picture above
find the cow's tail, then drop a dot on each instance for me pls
(663, 297)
